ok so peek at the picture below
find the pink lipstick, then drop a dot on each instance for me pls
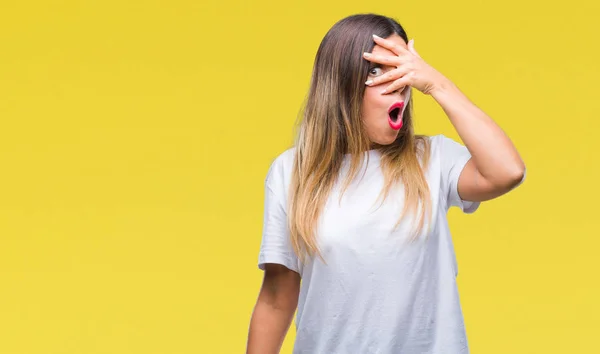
(395, 115)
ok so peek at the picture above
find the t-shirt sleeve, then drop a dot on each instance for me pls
(453, 158)
(276, 244)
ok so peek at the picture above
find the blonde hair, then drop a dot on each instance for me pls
(331, 127)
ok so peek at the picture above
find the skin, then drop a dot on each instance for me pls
(375, 105)
(495, 167)
(274, 310)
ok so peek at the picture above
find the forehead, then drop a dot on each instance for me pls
(394, 38)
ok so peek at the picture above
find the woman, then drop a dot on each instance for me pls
(357, 208)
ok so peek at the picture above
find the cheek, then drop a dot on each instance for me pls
(371, 103)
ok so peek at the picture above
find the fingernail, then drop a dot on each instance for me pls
(376, 37)
(369, 82)
(367, 55)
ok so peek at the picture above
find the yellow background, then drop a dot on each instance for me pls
(135, 137)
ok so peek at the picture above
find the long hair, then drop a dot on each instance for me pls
(331, 127)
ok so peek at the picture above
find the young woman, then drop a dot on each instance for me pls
(357, 208)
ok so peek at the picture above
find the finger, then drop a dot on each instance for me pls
(390, 75)
(411, 47)
(397, 49)
(383, 59)
(400, 83)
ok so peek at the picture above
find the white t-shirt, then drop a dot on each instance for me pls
(377, 293)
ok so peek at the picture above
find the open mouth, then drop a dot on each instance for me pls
(394, 113)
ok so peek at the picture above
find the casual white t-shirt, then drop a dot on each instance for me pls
(377, 293)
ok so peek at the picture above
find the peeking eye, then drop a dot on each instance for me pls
(373, 70)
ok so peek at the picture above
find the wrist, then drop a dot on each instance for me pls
(441, 87)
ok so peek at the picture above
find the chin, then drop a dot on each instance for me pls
(388, 140)
(385, 142)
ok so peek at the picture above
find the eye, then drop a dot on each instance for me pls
(373, 70)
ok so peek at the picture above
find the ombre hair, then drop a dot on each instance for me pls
(331, 127)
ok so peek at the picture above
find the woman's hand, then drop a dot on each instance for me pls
(411, 69)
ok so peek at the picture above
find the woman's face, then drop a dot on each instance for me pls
(382, 129)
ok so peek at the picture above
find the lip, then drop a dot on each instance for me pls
(397, 125)
(399, 104)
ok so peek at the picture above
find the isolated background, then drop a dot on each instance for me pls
(135, 138)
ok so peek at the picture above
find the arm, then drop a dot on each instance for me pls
(274, 310)
(495, 166)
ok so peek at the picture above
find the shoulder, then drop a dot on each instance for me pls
(445, 152)
(429, 145)
(281, 166)
(442, 145)
(438, 140)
